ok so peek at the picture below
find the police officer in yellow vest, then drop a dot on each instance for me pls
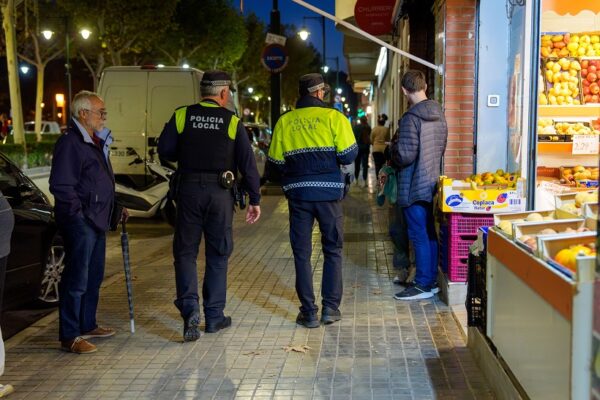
(309, 144)
(210, 146)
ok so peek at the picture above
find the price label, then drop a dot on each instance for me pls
(585, 144)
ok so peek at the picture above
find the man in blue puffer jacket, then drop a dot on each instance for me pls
(417, 154)
(83, 186)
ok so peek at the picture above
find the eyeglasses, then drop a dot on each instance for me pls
(102, 114)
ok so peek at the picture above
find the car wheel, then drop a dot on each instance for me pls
(55, 264)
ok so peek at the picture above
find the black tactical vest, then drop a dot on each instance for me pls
(206, 143)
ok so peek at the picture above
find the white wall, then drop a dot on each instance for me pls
(492, 130)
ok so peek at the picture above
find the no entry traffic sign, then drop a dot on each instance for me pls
(274, 58)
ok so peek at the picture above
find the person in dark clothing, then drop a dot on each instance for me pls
(417, 154)
(210, 145)
(7, 223)
(362, 134)
(309, 145)
(83, 185)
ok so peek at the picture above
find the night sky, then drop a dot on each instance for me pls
(292, 13)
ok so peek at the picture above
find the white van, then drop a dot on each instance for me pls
(139, 101)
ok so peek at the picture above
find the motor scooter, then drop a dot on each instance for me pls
(145, 195)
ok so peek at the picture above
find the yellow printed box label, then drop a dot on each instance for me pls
(481, 201)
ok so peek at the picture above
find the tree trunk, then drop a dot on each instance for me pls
(8, 23)
(39, 98)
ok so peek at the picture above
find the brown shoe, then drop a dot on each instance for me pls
(78, 345)
(99, 332)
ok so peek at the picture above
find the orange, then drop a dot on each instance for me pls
(566, 258)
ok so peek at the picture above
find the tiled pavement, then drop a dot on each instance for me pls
(382, 349)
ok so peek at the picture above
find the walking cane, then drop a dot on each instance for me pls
(127, 267)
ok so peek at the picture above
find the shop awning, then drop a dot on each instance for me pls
(366, 59)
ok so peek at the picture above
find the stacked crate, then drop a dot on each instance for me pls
(459, 233)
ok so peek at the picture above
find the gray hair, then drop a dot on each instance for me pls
(81, 101)
(211, 91)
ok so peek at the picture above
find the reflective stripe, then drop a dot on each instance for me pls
(207, 104)
(233, 124)
(334, 185)
(180, 119)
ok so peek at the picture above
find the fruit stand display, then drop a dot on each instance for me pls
(541, 330)
(469, 204)
(568, 125)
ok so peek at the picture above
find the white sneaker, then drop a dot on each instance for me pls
(5, 390)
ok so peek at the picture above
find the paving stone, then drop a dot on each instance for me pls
(381, 349)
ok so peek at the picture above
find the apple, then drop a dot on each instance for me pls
(587, 98)
(586, 83)
(584, 63)
(595, 89)
(584, 72)
(586, 90)
(595, 99)
(592, 68)
(592, 77)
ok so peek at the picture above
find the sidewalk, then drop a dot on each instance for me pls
(382, 348)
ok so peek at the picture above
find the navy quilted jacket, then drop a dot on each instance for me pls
(418, 150)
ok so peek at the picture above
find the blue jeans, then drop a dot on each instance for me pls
(421, 232)
(79, 287)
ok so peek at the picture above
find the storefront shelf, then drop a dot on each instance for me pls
(585, 111)
(560, 148)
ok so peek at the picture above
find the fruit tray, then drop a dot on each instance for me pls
(562, 77)
(518, 217)
(525, 234)
(549, 246)
(590, 212)
(566, 207)
(590, 80)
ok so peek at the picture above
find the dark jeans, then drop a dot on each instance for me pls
(421, 232)
(362, 159)
(203, 208)
(399, 235)
(79, 286)
(379, 159)
(330, 218)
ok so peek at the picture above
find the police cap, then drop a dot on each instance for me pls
(216, 78)
(311, 83)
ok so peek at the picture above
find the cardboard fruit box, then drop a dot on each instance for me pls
(460, 196)
(536, 229)
(549, 246)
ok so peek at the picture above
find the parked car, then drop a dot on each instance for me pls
(260, 139)
(36, 260)
(48, 127)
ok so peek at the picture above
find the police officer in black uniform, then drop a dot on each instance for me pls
(210, 145)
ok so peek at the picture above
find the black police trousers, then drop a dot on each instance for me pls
(202, 208)
(330, 219)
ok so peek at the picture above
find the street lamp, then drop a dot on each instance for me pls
(304, 33)
(85, 34)
(250, 90)
(24, 69)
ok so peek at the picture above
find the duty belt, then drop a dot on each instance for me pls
(199, 177)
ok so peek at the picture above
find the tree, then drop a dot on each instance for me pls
(123, 29)
(38, 52)
(207, 34)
